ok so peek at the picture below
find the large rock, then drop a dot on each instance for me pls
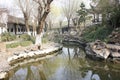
(97, 49)
(115, 50)
(115, 55)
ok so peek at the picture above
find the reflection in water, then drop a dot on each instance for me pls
(70, 65)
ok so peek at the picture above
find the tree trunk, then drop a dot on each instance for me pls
(27, 26)
(60, 27)
(34, 33)
(15, 29)
(69, 54)
(94, 18)
(38, 40)
(98, 18)
(41, 22)
(84, 24)
(68, 24)
(103, 18)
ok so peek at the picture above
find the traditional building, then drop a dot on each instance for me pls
(12, 24)
(15, 25)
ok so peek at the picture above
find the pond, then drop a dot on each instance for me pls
(70, 64)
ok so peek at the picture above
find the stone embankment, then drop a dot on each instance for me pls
(73, 39)
(28, 56)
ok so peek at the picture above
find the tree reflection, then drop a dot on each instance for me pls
(69, 54)
(76, 52)
(42, 75)
(71, 69)
(74, 64)
(30, 75)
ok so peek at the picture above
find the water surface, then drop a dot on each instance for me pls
(70, 64)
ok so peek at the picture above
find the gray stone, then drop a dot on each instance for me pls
(115, 55)
(98, 50)
(104, 53)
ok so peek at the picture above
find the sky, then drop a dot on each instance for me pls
(10, 4)
(58, 4)
(6, 3)
(86, 2)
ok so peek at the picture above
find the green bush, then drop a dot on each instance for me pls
(7, 36)
(97, 32)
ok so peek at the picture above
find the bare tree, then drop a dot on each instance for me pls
(60, 24)
(49, 20)
(26, 7)
(3, 19)
(69, 8)
(43, 11)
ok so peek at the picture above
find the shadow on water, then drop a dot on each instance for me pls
(71, 64)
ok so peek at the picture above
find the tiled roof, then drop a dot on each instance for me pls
(3, 10)
(13, 19)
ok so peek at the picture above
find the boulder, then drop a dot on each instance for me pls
(97, 49)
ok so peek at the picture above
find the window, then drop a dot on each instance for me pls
(11, 29)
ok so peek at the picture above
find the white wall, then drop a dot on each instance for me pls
(4, 20)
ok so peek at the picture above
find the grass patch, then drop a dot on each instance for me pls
(23, 44)
(12, 45)
(97, 32)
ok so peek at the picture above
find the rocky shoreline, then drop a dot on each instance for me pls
(28, 56)
(102, 51)
(98, 50)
